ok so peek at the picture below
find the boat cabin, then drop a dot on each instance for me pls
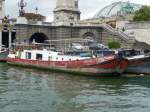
(46, 55)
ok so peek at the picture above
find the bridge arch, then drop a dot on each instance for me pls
(89, 35)
(38, 37)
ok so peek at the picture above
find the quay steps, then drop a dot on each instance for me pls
(118, 33)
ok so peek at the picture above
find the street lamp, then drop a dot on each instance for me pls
(21, 4)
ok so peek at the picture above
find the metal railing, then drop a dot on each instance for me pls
(116, 31)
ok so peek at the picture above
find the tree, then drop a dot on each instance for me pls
(143, 14)
(114, 45)
(33, 16)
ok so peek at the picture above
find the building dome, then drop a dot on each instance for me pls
(118, 9)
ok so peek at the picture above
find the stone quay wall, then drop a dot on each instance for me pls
(98, 33)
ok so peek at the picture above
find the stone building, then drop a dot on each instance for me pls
(66, 10)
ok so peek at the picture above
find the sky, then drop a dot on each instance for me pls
(88, 8)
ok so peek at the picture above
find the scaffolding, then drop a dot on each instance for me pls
(66, 44)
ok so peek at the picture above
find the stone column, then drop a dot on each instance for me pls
(66, 10)
(0, 40)
(2, 8)
(10, 39)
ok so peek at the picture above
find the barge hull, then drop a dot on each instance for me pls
(87, 70)
(139, 66)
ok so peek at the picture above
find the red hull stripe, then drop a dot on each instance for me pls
(95, 63)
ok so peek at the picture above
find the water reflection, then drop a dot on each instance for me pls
(27, 90)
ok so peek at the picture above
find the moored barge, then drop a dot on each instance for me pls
(139, 62)
(3, 54)
(78, 64)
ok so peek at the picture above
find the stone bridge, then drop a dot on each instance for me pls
(48, 31)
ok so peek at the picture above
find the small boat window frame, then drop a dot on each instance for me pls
(39, 56)
(28, 55)
(50, 58)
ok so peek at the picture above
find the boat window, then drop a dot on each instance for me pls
(50, 58)
(39, 56)
(28, 55)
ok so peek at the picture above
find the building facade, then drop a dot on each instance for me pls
(66, 10)
(67, 24)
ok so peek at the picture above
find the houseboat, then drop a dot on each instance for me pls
(71, 62)
(3, 54)
(139, 61)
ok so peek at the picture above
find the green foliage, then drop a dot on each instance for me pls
(143, 14)
(114, 45)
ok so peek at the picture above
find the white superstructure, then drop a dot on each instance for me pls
(46, 55)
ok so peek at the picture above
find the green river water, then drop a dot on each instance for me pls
(30, 90)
